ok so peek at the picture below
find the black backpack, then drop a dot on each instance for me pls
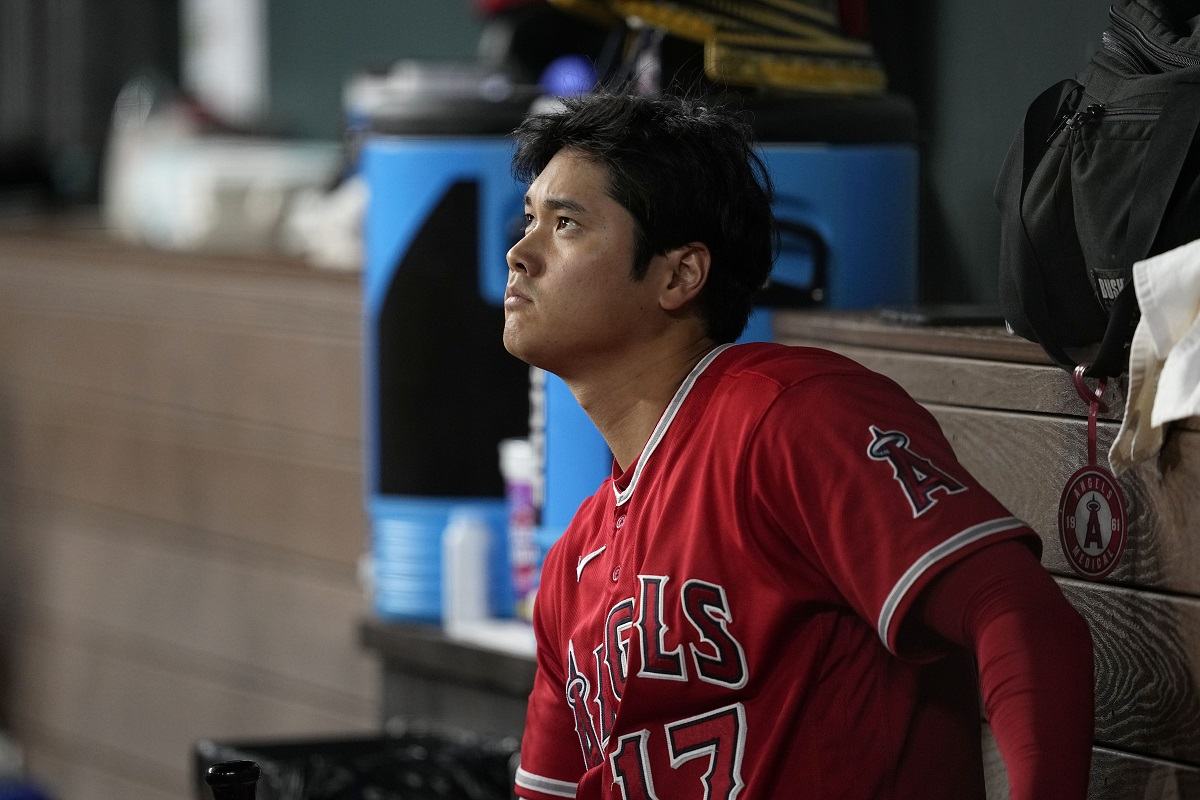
(1103, 173)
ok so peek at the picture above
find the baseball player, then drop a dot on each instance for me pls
(789, 587)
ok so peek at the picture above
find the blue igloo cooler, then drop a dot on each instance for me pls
(440, 390)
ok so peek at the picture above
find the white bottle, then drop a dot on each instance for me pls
(465, 545)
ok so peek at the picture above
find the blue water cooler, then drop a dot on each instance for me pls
(441, 392)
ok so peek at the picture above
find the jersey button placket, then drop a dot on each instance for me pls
(618, 524)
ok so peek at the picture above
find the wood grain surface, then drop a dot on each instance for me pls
(1115, 775)
(1147, 668)
(80, 686)
(869, 329)
(208, 340)
(833, 329)
(249, 374)
(1025, 461)
(83, 238)
(1004, 386)
(1016, 423)
(181, 509)
(957, 378)
(295, 490)
(242, 611)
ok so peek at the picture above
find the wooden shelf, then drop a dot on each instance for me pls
(1016, 422)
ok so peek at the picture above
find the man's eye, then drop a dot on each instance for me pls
(528, 221)
(563, 222)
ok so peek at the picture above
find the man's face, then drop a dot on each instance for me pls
(571, 297)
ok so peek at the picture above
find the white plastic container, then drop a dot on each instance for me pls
(465, 546)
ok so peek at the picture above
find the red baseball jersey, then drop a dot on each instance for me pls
(724, 619)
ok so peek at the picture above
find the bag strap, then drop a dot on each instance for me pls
(1035, 135)
(1168, 148)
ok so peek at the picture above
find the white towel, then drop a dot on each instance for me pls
(1164, 359)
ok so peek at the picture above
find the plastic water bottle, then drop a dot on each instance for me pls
(465, 546)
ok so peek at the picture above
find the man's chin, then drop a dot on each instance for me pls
(515, 347)
(529, 352)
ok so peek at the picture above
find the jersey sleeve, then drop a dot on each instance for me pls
(863, 481)
(551, 761)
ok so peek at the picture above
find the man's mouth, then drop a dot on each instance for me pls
(515, 297)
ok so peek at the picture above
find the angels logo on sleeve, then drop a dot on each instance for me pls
(919, 477)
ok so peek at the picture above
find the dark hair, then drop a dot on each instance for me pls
(687, 172)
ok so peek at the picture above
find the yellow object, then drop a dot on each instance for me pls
(798, 72)
(781, 44)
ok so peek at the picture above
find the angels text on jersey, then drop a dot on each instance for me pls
(636, 636)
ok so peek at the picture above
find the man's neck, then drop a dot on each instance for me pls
(626, 397)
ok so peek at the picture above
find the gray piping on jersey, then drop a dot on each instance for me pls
(952, 545)
(664, 422)
(527, 780)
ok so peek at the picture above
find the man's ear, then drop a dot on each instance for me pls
(689, 265)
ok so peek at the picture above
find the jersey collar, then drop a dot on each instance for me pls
(664, 422)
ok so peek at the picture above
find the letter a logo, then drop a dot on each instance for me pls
(917, 475)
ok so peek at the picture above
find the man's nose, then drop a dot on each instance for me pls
(519, 256)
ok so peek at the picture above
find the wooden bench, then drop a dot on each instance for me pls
(1016, 422)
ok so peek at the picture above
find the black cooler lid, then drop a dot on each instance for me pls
(456, 99)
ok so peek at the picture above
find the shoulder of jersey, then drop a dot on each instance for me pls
(786, 365)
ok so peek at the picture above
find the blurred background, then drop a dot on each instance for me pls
(206, 424)
(969, 68)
